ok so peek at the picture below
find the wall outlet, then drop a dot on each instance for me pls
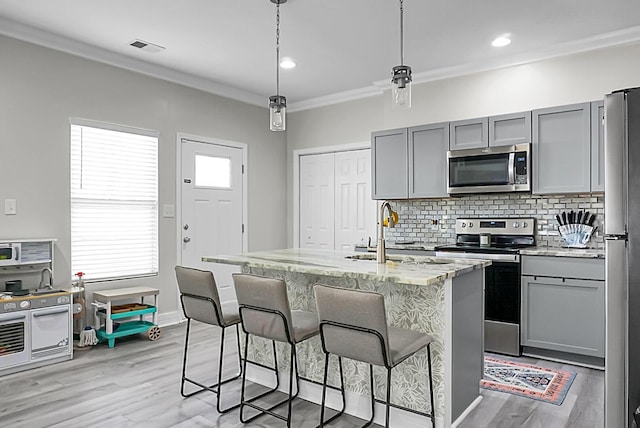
(10, 207)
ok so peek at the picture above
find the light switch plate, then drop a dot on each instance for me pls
(10, 207)
(168, 211)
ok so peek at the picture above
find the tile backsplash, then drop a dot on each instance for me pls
(417, 217)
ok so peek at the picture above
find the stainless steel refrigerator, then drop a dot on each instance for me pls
(622, 243)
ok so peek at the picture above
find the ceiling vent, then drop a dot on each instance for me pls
(146, 46)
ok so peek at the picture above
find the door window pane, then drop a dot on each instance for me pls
(213, 172)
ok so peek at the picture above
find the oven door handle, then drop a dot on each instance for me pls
(50, 312)
(509, 258)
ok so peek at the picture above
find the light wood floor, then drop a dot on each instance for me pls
(136, 384)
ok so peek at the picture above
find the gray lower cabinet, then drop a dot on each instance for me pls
(562, 149)
(410, 162)
(469, 134)
(510, 129)
(389, 165)
(563, 306)
(597, 146)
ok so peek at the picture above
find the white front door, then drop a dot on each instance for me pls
(317, 201)
(212, 203)
(355, 211)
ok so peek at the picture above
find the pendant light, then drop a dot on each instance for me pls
(277, 102)
(401, 81)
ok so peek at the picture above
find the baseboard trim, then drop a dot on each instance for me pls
(166, 319)
(466, 412)
(356, 405)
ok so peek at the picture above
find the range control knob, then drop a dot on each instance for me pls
(463, 224)
(524, 224)
(516, 224)
(470, 224)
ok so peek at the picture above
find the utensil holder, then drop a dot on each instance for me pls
(576, 235)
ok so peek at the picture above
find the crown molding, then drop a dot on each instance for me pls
(39, 37)
(33, 35)
(615, 38)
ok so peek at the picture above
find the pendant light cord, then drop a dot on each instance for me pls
(401, 32)
(278, 48)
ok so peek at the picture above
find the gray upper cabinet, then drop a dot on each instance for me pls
(510, 129)
(562, 149)
(469, 134)
(597, 146)
(428, 147)
(389, 166)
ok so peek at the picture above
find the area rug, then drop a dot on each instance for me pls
(526, 380)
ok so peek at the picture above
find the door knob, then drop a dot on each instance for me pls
(186, 239)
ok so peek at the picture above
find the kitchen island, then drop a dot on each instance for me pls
(442, 297)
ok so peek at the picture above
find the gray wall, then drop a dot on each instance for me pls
(563, 80)
(40, 89)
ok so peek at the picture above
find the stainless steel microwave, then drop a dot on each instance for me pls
(489, 169)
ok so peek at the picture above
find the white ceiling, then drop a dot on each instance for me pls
(344, 48)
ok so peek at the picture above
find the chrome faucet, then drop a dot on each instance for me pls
(42, 284)
(381, 254)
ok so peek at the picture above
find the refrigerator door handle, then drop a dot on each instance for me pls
(622, 237)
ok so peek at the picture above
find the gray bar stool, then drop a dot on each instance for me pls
(265, 312)
(353, 325)
(200, 302)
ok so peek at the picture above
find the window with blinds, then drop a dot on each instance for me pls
(114, 201)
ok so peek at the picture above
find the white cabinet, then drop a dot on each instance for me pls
(51, 332)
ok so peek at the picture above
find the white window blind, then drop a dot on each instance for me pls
(114, 202)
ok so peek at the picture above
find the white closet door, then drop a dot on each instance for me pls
(317, 201)
(355, 211)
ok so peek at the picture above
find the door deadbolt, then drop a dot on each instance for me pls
(185, 227)
(186, 239)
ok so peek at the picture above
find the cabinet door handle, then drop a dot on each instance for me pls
(13, 318)
(51, 312)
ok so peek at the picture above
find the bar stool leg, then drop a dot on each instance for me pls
(433, 410)
(373, 398)
(184, 358)
(324, 391)
(386, 424)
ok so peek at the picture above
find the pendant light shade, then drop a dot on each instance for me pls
(401, 80)
(277, 112)
(277, 102)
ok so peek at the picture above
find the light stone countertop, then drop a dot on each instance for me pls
(592, 253)
(416, 270)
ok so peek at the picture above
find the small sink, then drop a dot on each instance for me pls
(402, 259)
(42, 291)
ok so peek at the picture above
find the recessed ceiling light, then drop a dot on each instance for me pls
(501, 41)
(287, 63)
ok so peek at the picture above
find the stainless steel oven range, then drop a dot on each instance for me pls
(498, 240)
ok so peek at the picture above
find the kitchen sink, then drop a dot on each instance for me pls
(402, 259)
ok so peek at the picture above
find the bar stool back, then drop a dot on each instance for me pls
(265, 312)
(353, 325)
(200, 302)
